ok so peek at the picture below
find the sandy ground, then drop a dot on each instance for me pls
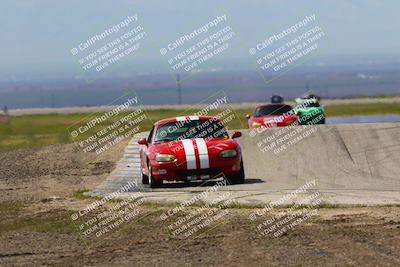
(53, 171)
(334, 237)
(36, 227)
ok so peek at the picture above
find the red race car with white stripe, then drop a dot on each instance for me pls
(188, 149)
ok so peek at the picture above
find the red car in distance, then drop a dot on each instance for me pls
(271, 115)
(188, 149)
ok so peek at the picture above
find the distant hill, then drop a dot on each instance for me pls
(240, 86)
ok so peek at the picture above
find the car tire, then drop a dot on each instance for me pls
(153, 183)
(145, 179)
(239, 177)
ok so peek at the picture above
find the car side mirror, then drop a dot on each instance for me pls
(247, 116)
(236, 134)
(142, 141)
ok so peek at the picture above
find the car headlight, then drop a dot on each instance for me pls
(256, 125)
(164, 157)
(229, 153)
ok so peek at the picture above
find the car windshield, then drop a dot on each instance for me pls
(309, 104)
(314, 105)
(190, 129)
(272, 110)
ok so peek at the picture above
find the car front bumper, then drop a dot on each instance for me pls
(171, 171)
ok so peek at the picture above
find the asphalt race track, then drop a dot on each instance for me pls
(349, 164)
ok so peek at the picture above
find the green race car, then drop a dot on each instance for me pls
(309, 111)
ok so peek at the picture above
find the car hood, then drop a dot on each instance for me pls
(276, 118)
(310, 110)
(200, 146)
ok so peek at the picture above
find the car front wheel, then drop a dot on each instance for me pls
(237, 178)
(154, 183)
(145, 179)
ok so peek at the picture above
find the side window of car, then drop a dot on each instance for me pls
(149, 138)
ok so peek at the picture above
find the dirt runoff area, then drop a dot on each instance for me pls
(38, 202)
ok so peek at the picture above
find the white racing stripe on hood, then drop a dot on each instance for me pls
(180, 118)
(193, 118)
(203, 153)
(190, 154)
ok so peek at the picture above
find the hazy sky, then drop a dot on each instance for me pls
(39, 34)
